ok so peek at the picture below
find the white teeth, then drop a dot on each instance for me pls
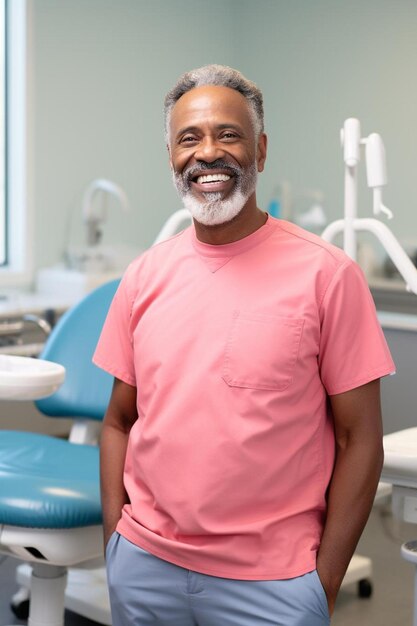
(213, 178)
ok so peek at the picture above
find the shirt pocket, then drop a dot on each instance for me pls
(261, 351)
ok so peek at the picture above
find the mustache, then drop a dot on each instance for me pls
(189, 173)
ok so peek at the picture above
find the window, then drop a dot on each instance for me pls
(3, 162)
(15, 214)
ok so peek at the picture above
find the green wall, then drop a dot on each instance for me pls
(322, 61)
(102, 68)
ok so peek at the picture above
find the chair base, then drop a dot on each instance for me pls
(86, 592)
(47, 584)
(50, 553)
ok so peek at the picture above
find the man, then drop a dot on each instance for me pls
(241, 448)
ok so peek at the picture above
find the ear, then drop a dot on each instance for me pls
(261, 151)
(170, 158)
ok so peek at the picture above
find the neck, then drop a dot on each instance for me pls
(246, 222)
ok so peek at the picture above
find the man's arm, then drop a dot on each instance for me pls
(359, 458)
(120, 416)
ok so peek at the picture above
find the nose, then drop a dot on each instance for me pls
(209, 150)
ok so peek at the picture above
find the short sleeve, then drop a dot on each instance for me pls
(114, 351)
(353, 350)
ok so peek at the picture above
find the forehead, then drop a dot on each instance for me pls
(210, 104)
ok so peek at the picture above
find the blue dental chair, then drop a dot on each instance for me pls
(50, 513)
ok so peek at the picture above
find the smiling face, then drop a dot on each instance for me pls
(214, 154)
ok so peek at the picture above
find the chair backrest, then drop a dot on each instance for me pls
(86, 390)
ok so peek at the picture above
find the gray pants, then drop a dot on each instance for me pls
(146, 590)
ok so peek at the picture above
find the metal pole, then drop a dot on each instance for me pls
(351, 210)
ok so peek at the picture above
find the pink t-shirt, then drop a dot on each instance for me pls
(233, 350)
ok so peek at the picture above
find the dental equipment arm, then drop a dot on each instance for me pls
(376, 170)
(172, 225)
(359, 456)
(387, 239)
(94, 218)
(377, 178)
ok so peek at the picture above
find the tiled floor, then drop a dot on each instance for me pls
(390, 605)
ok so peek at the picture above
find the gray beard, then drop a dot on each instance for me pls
(214, 210)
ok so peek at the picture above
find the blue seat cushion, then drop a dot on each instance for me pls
(47, 482)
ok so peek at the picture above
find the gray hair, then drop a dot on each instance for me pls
(221, 76)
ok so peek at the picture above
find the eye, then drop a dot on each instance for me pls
(188, 139)
(229, 135)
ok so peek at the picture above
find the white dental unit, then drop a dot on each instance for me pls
(21, 378)
(400, 448)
